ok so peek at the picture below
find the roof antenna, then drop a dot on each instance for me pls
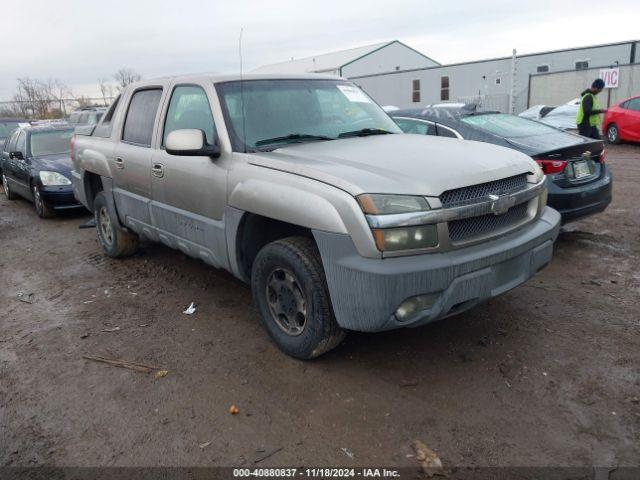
(244, 130)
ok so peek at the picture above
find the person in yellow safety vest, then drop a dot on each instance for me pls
(588, 117)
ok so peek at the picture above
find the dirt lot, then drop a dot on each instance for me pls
(547, 374)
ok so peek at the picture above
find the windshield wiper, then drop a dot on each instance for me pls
(363, 132)
(292, 137)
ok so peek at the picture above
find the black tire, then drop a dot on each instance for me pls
(42, 209)
(115, 241)
(296, 259)
(7, 189)
(613, 134)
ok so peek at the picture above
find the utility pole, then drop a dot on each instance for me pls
(512, 93)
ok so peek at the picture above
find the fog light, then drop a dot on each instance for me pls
(414, 305)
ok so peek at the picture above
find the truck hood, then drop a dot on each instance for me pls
(400, 163)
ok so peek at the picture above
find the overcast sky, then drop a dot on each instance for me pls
(78, 42)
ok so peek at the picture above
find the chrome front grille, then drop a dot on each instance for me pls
(475, 193)
(474, 227)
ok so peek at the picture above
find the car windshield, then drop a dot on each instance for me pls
(51, 142)
(7, 127)
(278, 112)
(508, 126)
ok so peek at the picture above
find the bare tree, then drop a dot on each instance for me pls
(107, 91)
(38, 98)
(125, 76)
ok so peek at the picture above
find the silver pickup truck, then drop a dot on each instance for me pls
(303, 187)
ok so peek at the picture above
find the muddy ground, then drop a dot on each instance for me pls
(547, 374)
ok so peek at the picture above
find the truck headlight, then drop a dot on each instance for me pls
(49, 179)
(408, 238)
(397, 238)
(374, 204)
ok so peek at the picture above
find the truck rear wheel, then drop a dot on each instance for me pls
(290, 291)
(115, 241)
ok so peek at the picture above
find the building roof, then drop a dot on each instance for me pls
(327, 62)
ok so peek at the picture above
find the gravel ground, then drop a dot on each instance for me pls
(547, 374)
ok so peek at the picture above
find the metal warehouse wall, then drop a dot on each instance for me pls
(479, 78)
(387, 59)
(558, 88)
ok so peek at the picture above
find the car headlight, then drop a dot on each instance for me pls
(402, 238)
(53, 179)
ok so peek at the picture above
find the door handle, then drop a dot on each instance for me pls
(157, 170)
(119, 162)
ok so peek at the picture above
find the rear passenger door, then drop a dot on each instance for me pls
(132, 163)
(189, 193)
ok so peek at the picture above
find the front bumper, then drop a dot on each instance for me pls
(59, 197)
(365, 292)
(583, 200)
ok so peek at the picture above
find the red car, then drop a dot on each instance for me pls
(622, 121)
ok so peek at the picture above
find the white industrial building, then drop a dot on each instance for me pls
(354, 62)
(395, 74)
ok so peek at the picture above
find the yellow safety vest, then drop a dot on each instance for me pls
(594, 119)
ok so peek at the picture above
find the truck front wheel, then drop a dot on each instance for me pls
(115, 241)
(290, 291)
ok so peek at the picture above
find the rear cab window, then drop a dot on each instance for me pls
(141, 115)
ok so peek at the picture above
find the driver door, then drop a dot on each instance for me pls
(189, 193)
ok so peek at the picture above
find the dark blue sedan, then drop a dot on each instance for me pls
(579, 179)
(36, 165)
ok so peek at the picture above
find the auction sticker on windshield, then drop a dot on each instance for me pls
(353, 94)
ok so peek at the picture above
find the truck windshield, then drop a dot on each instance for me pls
(51, 142)
(508, 126)
(266, 114)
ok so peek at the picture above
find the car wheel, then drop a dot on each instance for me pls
(290, 291)
(7, 189)
(115, 241)
(42, 209)
(613, 135)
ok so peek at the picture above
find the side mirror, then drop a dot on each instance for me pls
(16, 155)
(190, 142)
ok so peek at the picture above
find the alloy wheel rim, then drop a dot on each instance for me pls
(612, 133)
(286, 302)
(104, 221)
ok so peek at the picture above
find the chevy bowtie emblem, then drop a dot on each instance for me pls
(500, 205)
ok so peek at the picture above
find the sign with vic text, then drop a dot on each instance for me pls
(611, 76)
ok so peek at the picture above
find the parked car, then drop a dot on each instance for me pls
(86, 116)
(7, 126)
(536, 112)
(622, 121)
(562, 116)
(579, 179)
(36, 165)
(304, 187)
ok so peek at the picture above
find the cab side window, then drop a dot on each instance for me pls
(189, 108)
(141, 116)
